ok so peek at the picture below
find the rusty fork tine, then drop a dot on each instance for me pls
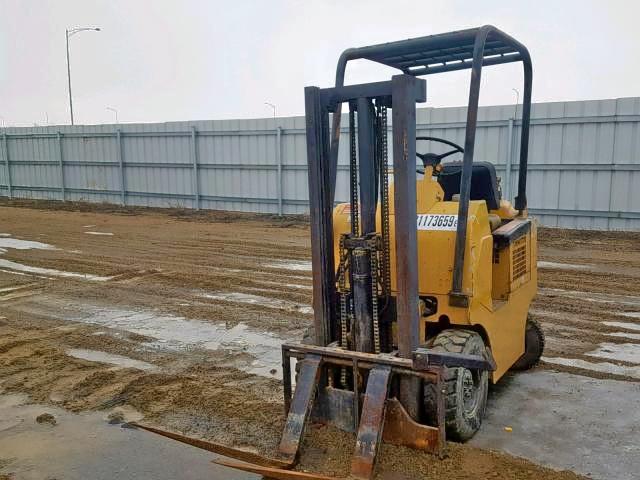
(242, 455)
(300, 409)
(371, 423)
(277, 473)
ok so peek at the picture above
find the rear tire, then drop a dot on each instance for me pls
(533, 346)
(466, 390)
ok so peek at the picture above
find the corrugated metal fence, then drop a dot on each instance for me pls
(584, 161)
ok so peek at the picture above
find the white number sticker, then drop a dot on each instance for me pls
(437, 222)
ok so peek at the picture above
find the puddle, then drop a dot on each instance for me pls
(104, 357)
(181, 334)
(20, 269)
(18, 244)
(299, 265)
(297, 286)
(601, 367)
(238, 297)
(630, 314)
(630, 336)
(563, 266)
(99, 233)
(50, 271)
(8, 424)
(624, 352)
(627, 325)
(89, 226)
(86, 446)
(592, 296)
(588, 267)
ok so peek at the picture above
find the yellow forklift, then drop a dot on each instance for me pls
(422, 285)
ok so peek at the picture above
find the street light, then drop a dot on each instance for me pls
(515, 114)
(69, 33)
(273, 107)
(114, 111)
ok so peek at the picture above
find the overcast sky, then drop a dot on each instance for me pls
(166, 60)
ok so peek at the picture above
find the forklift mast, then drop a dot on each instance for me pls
(465, 49)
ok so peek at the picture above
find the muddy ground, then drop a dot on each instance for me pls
(177, 316)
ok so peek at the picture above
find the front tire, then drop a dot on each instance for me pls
(466, 390)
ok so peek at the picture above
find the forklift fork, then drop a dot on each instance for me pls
(369, 432)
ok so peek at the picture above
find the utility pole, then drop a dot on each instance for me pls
(68, 34)
(114, 111)
(273, 107)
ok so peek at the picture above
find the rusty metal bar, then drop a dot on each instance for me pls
(401, 429)
(366, 361)
(363, 321)
(405, 93)
(404, 88)
(425, 358)
(268, 472)
(301, 406)
(321, 189)
(371, 423)
(238, 454)
(356, 395)
(337, 95)
(366, 166)
(286, 380)
(330, 352)
(457, 297)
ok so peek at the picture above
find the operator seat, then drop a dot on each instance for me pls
(484, 182)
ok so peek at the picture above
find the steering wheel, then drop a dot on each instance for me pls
(433, 159)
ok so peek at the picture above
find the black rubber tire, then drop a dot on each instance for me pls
(533, 346)
(465, 402)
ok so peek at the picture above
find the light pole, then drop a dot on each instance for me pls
(273, 107)
(515, 114)
(114, 111)
(69, 33)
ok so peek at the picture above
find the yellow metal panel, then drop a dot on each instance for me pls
(499, 302)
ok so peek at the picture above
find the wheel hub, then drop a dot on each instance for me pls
(469, 391)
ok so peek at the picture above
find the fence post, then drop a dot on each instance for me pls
(61, 164)
(123, 188)
(6, 162)
(507, 175)
(279, 161)
(194, 158)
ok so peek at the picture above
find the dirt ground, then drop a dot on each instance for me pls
(176, 315)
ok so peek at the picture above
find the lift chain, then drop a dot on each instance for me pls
(373, 258)
(353, 173)
(342, 290)
(345, 314)
(384, 200)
